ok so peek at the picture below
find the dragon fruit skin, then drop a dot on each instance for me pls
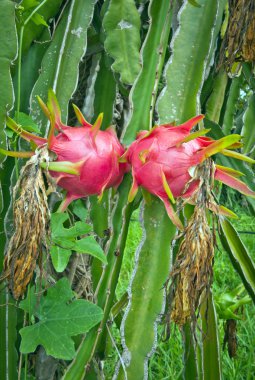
(163, 159)
(87, 159)
(93, 153)
(97, 158)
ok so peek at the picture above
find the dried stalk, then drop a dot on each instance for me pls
(239, 41)
(31, 225)
(191, 276)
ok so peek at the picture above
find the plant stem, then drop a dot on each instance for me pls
(25, 367)
(95, 338)
(20, 53)
(19, 72)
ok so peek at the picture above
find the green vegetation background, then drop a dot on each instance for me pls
(166, 363)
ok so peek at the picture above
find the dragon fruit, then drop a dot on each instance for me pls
(163, 161)
(87, 159)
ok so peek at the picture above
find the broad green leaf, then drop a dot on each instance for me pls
(122, 27)
(38, 19)
(60, 257)
(184, 72)
(248, 130)
(65, 240)
(32, 31)
(27, 122)
(31, 302)
(79, 209)
(59, 318)
(79, 228)
(239, 255)
(144, 90)
(90, 246)
(58, 231)
(59, 69)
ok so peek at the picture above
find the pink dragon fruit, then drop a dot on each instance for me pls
(87, 159)
(163, 160)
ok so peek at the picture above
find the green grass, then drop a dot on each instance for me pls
(166, 363)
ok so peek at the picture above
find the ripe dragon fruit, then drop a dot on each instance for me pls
(164, 159)
(87, 159)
